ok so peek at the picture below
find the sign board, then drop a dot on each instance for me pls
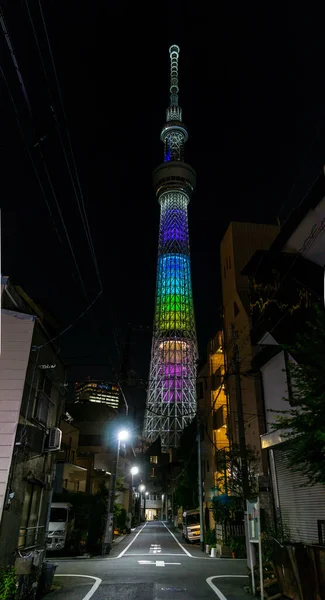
(254, 536)
(253, 520)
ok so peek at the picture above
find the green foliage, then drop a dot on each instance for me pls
(225, 508)
(305, 419)
(8, 581)
(237, 544)
(230, 473)
(272, 537)
(120, 516)
(210, 537)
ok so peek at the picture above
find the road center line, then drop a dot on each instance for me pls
(176, 540)
(214, 587)
(92, 589)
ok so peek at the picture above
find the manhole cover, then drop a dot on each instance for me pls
(173, 589)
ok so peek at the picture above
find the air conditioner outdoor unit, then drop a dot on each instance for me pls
(54, 439)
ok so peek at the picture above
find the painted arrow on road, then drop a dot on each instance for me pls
(158, 563)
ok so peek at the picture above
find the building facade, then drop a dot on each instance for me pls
(213, 411)
(239, 243)
(286, 281)
(69, 475)
(32, 388)
(171, 402)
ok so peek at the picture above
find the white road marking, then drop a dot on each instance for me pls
(176, 540)
(130, 544)
(158, 563)
(162, 554)
(92, 589)
(214, 587)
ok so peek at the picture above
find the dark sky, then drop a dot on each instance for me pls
(252, 89)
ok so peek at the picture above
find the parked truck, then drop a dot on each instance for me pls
(61, 526)
(191, 525)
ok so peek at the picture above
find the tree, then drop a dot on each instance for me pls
(305, 419)
(230, 480)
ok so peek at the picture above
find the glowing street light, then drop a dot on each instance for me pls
(123, 435)
(134, 470)
(142, 488)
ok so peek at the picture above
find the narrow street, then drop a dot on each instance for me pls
(151, 564)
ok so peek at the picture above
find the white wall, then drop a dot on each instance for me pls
(16, 331)
(274, 387)
(313, 220)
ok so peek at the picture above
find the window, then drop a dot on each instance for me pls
(43, 404)
(154, 459)
(152, 472)
(29, 534)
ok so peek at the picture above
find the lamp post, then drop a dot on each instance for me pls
(142, 489)
(109, 532)
(133, 471)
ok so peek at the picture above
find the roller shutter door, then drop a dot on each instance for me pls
(301, 507)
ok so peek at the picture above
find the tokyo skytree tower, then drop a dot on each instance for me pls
(171, 399)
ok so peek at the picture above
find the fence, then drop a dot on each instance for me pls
(226, 531)
(301, 571)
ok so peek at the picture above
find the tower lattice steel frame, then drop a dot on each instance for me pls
(171, 400)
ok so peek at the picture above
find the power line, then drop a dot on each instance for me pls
(71, 325)
(41, 154)
(80, 198)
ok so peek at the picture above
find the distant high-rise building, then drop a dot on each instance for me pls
(98, 391)
(171, 400)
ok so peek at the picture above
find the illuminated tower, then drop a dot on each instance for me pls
(171, 400)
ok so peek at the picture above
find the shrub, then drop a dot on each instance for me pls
(8, 584)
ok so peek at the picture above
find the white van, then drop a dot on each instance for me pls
(61, 525)
(191, 525)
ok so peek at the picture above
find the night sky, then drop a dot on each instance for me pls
(252, 89)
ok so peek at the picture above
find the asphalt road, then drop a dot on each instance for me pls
(151, 564)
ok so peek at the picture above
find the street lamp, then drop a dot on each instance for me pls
(122, 436)
(142, 489)
(134, 471)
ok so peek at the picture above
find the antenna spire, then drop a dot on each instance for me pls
(174, 112)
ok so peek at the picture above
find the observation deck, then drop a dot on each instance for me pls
(174, 176)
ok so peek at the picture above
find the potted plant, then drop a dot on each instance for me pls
(233, 545)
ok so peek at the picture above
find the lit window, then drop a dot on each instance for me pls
(154, 459)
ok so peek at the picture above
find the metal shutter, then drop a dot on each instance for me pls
(301, 507)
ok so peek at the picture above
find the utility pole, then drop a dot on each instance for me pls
(240, 415)
(200, 483)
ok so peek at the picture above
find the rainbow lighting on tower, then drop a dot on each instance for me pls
(171, 400)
